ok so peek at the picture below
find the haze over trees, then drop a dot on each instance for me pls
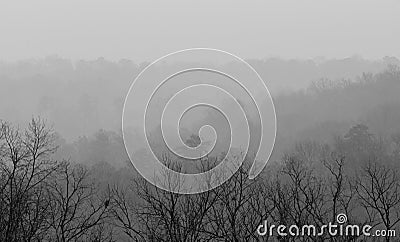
(337, 151)
(81, 97)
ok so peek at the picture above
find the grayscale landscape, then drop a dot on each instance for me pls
(333, 72)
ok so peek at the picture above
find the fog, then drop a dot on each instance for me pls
(146, 30)
(81, 97)
(83, 100)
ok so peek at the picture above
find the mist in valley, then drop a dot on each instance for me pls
(338, 127)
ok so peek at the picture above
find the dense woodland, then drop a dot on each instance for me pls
(337, 151)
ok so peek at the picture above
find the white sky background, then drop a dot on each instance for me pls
(145, 30)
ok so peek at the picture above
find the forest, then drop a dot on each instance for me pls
(337, 152)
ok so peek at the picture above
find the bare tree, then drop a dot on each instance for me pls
(378, 189)
(341, 191)
(75, 209)
(25, 164)
(159, 215)
(230, 212)
(42, 199)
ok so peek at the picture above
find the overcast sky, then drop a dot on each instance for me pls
(145, 30)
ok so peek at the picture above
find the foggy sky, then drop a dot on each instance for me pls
(145, 30)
